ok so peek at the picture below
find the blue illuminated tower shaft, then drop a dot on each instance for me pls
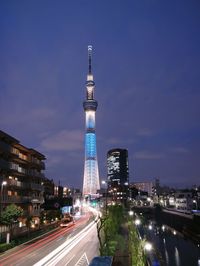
(91, 172)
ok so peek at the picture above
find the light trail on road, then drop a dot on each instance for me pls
(25, 251)
(55, 256)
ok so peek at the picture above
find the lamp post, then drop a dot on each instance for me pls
(4, 183)
(195, 202)
(104, 182)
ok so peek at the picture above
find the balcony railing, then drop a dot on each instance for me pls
(14, 151)
(38, 162)
(35, 186)
(35, 173)
(12, 199)
(22, 199)
(12, 182)
(24, 185)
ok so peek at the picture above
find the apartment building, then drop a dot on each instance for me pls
(21, 177)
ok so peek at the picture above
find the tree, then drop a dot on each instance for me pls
(102, 239)
(29, 220)
(108, 230)
(10, 215)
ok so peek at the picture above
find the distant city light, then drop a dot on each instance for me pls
(174, 232)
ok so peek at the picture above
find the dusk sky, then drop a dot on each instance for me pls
(146, 66)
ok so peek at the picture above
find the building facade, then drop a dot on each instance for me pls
(144, 186)
(118, 174)
(21, 177)
(91, 172)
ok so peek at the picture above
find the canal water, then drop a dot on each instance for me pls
(169, 246)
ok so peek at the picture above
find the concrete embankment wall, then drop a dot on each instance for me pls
(189, 226)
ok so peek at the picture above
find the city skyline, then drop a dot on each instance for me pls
(147, 73)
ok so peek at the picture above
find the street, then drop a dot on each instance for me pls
(76, 245)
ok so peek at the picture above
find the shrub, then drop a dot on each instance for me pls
(4, 246)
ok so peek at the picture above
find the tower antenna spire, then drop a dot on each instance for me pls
(90, 58)
(91, 172)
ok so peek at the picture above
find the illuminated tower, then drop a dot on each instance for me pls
(91, 172)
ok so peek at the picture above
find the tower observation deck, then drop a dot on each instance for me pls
(91, 172)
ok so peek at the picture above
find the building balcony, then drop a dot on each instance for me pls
(16, 168)
(12, 199)
(24, 185)
(16, 183)
(22, 199)
(19, 159)
(34, 186)
(35, 173)
(38, 164)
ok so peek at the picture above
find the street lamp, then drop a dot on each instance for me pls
(195, 202)
(137, 222)
(4, 183)
(150, 227)
(103, 182)
(148, 246)
(131, 213)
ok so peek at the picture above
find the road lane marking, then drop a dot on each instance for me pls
(56, 255)
(83, 261)
(87, 258)
(70, 260)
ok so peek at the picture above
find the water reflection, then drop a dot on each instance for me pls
(170, 247)
(177, 258)
(166, 257)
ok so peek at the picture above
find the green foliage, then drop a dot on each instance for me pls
(108, 230)
(50, 215)
(4, 246)
(11, 214)
(136, 247)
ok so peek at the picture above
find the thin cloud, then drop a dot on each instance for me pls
(179, 150)
(36, 115)
(147, 155)
(65, 140)
(145, 132)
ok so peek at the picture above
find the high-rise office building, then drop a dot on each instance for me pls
(91, 172)
(118, 173)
